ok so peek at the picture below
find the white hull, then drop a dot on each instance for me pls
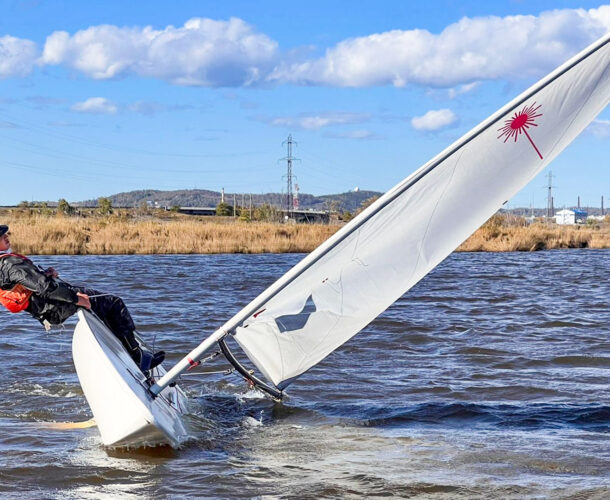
(125, 411)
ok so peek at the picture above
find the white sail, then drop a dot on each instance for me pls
(360, 271)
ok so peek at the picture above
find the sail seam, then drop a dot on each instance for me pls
(438, 200)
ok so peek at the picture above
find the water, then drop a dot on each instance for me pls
(489, 379)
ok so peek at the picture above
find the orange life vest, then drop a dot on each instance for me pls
(17, 298)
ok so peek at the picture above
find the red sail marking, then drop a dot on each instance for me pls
(519, 123)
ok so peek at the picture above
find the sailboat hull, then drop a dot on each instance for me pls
(126, 413)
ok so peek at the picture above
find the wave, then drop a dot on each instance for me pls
(594, 418)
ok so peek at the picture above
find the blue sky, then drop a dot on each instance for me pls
(98, 98)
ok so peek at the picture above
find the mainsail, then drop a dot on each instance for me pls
(340, 287)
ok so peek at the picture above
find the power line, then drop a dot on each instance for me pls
(112, 147)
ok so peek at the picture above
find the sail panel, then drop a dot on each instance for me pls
(404, 235)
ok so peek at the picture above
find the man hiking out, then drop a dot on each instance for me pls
(26, 287)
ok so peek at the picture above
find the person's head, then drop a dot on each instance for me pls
(5, 243)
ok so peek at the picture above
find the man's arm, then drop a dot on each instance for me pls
(83, 300)
(27, 274)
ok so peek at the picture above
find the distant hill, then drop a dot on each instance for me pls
(350, 200)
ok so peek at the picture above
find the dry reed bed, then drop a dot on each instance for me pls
(109, 236)
(492, 238)
(114, 235)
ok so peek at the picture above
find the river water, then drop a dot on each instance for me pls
(489, 379)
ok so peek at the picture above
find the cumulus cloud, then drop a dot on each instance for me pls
(96, 105)
(434, 120)
(600, 128)
(17, 56)
(483, 48)
(316, 122)
(231, 53)
(203, 52)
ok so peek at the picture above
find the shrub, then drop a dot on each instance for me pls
(224, 209)
(64, 207)
(104, 206)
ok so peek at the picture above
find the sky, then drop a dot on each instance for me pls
(98, 98)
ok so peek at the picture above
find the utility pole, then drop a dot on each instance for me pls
(578, 202)
(602, 206)
(222, 195)
(549, 200)
(289, 159)
(234, 213)
(250, 206)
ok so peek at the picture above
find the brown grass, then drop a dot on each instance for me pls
(77, 236)
(501, 235)
(55, 235)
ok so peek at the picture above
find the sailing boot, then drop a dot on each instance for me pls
(146, 359)
(142, 356)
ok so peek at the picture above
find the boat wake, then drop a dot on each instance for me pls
(66, 426)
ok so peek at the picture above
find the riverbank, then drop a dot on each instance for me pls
(177, 234)
(510, 234)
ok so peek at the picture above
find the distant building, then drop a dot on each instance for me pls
(308, 216)
(567, 216)
(197, 210)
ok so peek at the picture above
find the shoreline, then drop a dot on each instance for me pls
(177, 234)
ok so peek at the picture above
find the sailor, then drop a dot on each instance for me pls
(26, 287)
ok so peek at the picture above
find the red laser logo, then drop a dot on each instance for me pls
(519, 124)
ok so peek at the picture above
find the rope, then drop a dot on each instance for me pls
(222, 372)
(201, 361)
(77, 286)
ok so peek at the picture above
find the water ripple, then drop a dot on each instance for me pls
(489, 379)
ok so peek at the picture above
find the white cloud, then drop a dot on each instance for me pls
(600, 128)
(203, 52)
(96, 105)
(434, 120)
(316, 122)
(483, 48)
(214, 53)
(17, 56)
(462, 89)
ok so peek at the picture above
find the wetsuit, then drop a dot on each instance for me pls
(54, 301)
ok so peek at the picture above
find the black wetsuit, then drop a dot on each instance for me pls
(54, 301)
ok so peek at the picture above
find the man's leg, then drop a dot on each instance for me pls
(114, 313)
